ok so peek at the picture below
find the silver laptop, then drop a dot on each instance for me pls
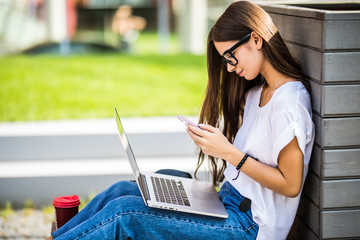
(171, 192)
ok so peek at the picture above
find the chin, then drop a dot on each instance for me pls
(249, 78)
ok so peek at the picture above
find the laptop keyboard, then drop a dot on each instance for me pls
(170, 191)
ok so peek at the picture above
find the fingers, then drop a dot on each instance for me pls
(196, 138)
(208, 128)
(195, 130)
(210, 139)
(204, 130)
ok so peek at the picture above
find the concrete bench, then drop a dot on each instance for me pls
(327, 43)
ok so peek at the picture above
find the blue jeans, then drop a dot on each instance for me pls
(119, 212)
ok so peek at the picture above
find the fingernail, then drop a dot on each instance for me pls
(201, 125)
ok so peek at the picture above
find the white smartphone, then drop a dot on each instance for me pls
(185, 120)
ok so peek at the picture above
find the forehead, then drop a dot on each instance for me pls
(221, 47)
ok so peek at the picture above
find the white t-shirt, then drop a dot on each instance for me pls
(264, 133)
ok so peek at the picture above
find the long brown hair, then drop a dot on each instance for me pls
(224, 101)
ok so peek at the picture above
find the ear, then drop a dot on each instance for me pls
(257, 40)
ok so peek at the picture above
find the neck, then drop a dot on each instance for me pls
(273, 78)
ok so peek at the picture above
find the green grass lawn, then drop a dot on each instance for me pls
(89, 86)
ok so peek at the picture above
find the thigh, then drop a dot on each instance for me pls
(142, 222)
(231, 199)
(127, 217)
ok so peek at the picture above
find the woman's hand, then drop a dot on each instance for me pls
(211, 141)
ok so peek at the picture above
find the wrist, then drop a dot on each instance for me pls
(242, 161)
(234, 155)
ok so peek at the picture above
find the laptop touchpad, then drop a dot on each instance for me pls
(200, 195)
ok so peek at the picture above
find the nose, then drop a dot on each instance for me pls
(230, 68)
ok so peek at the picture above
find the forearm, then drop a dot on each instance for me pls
(267, 176)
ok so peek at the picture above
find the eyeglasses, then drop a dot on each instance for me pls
(228, 57)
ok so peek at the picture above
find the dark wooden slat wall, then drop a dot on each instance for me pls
(327, 44)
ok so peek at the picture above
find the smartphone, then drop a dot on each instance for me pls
(185, 120)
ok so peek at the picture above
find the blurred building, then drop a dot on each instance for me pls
(27, 23)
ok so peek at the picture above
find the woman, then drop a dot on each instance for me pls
(259, 97)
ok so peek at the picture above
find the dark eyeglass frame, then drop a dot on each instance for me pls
(230, 50)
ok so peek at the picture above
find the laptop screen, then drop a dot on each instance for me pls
(125, 142)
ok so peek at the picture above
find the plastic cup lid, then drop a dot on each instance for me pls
(66, 201)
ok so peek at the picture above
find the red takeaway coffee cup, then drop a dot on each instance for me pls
(66, 207)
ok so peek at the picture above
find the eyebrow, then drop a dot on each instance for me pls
(243, 40)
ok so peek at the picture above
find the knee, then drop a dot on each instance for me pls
(123, 188)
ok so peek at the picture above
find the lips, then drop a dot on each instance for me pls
(240, 73)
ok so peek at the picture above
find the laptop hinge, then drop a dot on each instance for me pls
(144, 187)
